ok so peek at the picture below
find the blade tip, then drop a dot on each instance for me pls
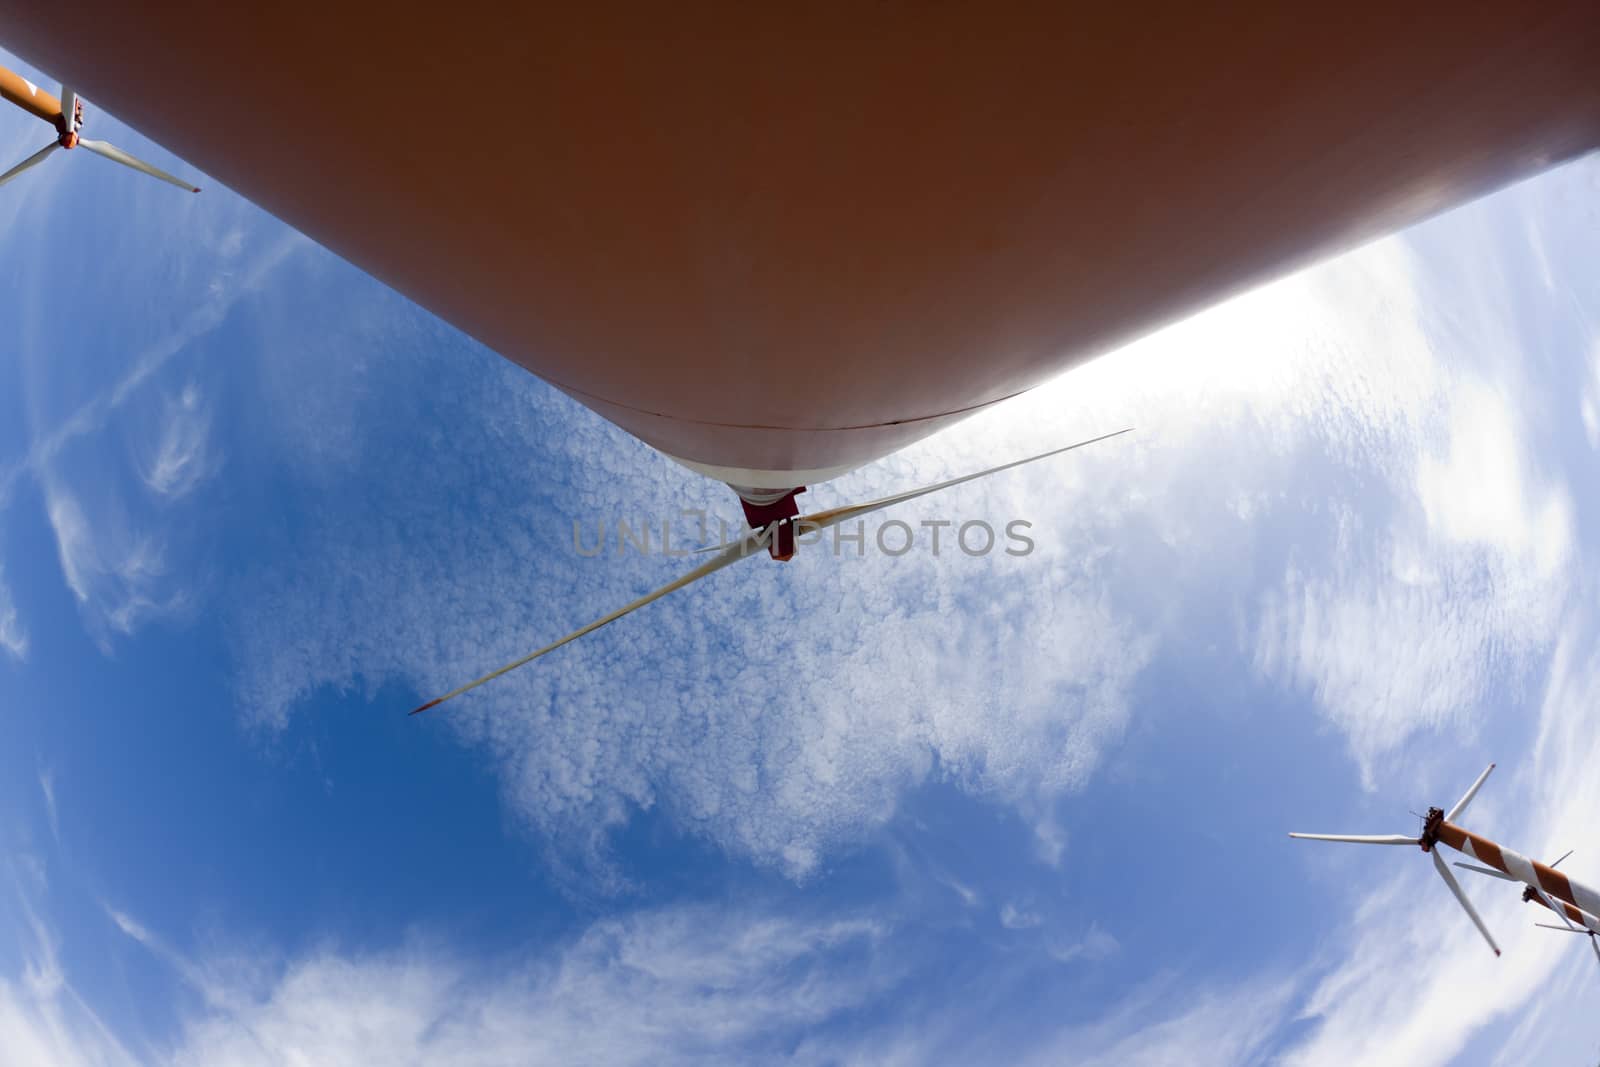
(425, 707)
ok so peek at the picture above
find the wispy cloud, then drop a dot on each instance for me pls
(1441, 569)
(1589, 399)
(43, 1019)
(681, 984)
(47, 787)
(91, 416)
(13, 636)
(674, 986)
(118, 576)
(1165, 1025)
(180, 459)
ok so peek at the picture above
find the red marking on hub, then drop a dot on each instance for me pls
(776, 517)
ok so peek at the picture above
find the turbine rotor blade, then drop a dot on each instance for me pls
(29, 163)
(1461, 898)
(821, 520)
(1594, 945)
(731, 555)
(1560, 929)
(1360, 839)
(1561, 913)
(1466, 798)
(1491, 872)
(1560, 909)
(117, 155)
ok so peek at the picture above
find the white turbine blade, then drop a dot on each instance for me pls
(821, 520)
(1466, 798)
(1490, 871)
(1357, 839)
(1560, 929)
(1564, 855)
(731, 555)
(1461, 898)
(117, 155)
(32, 161)
(1595, 946)
(751, 539)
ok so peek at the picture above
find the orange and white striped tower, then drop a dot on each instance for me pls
(1569, 915)
(1539, 878)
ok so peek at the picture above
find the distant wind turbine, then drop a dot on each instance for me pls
(66, 115)
(1547, 884)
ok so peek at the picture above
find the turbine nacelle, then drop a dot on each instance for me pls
(771, 514)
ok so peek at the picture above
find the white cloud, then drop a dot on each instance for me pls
(44, 1022)
(1014, 918)
(13, 636)
(1164, 1021)
(1095, 945)
(1153, 1029)
(1396, 622)
(130, 926)
(1476, 494)
(47, 786)
(1589, 399)
(118, 576)
(114, 562)
(91, 416)
(685, 985)
(180, 459)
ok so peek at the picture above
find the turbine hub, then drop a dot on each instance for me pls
(1430, 829)
(765, 507)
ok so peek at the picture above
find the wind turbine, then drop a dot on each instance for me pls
(66, 115)
(1439, 828)
(1567, 913)
(777, 531)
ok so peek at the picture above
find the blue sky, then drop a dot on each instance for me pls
(254, 506)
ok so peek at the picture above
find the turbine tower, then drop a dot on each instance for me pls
(779, 244)
(1572, 919)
